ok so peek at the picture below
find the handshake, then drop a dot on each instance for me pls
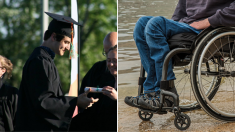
(83, 101)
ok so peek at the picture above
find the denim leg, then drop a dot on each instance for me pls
(157, 31)
(140, 40)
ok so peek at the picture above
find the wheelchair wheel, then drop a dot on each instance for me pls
(145, 116)
(214, 59)
(182, 122)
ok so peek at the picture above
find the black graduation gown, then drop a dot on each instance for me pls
(102, 116)
(42, 105)
(8, 107)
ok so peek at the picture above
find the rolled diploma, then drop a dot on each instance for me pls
(94, 89)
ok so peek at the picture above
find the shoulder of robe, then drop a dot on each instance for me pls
(99, 66)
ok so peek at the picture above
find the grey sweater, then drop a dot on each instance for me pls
(218, 12)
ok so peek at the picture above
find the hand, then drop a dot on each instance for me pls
(110, 92)
(85, 102)
(200, 24)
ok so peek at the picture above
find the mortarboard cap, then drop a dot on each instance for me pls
(62, 24)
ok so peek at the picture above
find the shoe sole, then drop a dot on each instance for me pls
(130, 103)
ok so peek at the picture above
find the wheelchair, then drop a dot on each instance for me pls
(204, 72)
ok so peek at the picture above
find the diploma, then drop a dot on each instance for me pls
(94, 89)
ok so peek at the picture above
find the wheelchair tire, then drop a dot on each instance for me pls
(213, 50)
(145, 116)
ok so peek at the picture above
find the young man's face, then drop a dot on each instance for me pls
(63, 46)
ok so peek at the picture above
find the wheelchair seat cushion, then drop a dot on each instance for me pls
(182, 40)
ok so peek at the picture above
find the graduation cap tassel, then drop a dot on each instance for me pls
(72, 53)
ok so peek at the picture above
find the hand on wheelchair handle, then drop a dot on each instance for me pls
(203, 24)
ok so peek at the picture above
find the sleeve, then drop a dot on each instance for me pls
(14, 105)
(180, 11)
(56, 110)
(224, 17)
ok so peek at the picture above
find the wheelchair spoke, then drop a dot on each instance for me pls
(218, 50)
(230, 50)
(205, 86)
(206, 80)
(180, 80)
(213, 57)
(222, 46)
(179, 74)
(184, 87)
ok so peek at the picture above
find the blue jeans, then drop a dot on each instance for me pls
(151, 35)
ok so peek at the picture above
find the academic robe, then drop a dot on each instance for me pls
(8, 107)
(102, 116)
(42, 105)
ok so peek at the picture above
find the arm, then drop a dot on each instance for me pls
(180, 11)
(55, 109)
(224, 17)
(88, 80)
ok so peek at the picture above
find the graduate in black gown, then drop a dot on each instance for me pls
(8, 97)
(102, 116)
(42, 106)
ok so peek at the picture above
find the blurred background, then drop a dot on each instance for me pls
(20, 33)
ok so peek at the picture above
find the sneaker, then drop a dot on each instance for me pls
(134, 101)
(152, 103)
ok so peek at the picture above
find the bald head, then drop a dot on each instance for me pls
(110, 40)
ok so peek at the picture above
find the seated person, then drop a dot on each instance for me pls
(102, 116)
(8, 97)
(151, 35)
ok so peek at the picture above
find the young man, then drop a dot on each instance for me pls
(151, 35)
(42, 105)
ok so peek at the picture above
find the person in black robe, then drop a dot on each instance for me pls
(42, 106)
(8, 97)
(102, 116)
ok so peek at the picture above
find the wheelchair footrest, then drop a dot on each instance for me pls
(167, 93)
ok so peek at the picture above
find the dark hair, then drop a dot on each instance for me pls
(48, 34)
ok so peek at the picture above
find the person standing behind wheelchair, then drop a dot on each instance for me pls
(8, 96)
(151, 35)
